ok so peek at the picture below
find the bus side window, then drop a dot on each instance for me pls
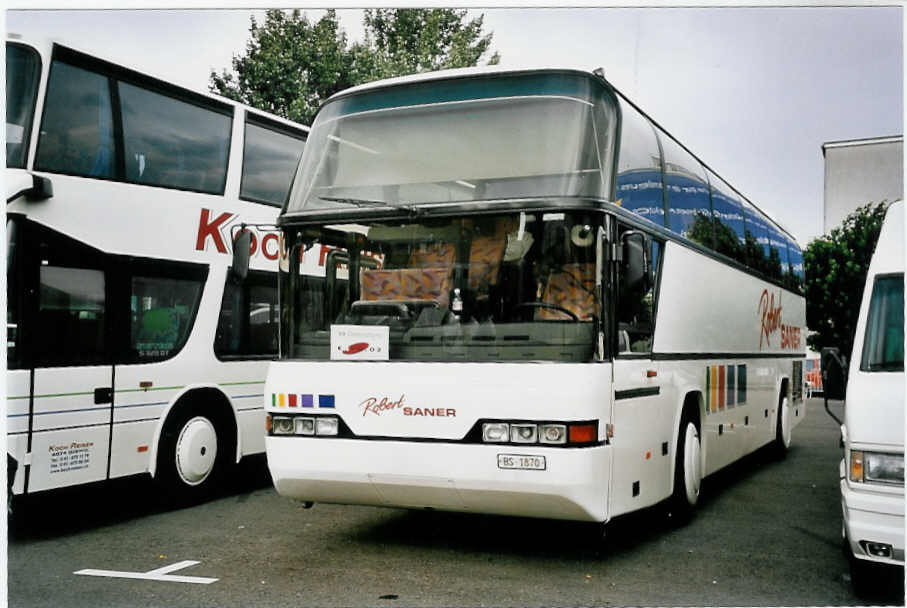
(163, 310)
(636, 309)
(77, 128)
(248, 317)
(172, 143)
(72, 302)
(270, 157)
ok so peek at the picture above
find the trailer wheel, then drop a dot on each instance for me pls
(193, 455)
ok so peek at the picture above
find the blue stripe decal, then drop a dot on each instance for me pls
(245, 396)
(89, 409)
(123, 407)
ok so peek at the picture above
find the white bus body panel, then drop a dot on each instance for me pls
(442, 474)
(874, 417)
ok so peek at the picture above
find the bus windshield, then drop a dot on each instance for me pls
(516, 286)
(22, 72)
(883, 347)
(460, 140)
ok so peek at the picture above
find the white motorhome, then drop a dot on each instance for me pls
(872, 470)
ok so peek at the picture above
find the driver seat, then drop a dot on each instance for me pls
(572, 287)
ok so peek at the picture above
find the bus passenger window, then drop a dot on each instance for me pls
(269, 161)
(77, 128)
(71, 314)
(172, 143)
(636, 309)
(162, 312)
(248, 317)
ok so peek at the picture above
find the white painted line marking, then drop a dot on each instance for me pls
(159, 574)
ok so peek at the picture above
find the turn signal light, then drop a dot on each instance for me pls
(856, 465)
(582, 433)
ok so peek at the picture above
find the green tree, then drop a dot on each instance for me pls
(292, 64)
(836, 265)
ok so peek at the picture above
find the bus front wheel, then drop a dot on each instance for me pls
(687, 472)
(191, 456)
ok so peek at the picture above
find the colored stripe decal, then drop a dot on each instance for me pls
(721, 386)
(730, 385)
(741, 384)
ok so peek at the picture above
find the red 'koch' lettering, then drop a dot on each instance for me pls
(208, 229)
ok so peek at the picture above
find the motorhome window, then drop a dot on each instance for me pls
(639, 179)
(172, 143)
(456, 141)
(77, 135)
(883, 344)
(23, 68)
(270, 158)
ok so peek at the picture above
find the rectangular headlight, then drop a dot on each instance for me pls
(883, 468)
(305, 426)
(282, 425)
(552, 433)
(495, 432)
(326, 426)
(523, 433)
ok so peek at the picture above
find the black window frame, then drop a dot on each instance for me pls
(116, 74)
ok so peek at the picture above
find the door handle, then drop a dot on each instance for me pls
(103, 395)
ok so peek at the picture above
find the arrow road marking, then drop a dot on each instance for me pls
(159, 574)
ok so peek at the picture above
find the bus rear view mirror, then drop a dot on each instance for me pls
(636, 266)
(242, 245)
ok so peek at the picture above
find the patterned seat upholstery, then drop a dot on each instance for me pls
(485, 255)
(571, 287)
(428, 278)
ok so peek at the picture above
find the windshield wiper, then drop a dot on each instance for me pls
(364, 202)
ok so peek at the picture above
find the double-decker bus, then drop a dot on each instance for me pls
(512, 292)
(130, 349)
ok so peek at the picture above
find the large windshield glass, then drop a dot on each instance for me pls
(23, 68)
(883, 348)
(466, 139)
(518, 286)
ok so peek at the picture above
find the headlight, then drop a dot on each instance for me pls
(874, 467)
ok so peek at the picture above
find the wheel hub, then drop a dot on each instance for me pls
(196, 450)
(692, 466)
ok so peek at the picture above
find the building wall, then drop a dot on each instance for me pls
(859, 172)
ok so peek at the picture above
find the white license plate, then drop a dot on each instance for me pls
(518, 461)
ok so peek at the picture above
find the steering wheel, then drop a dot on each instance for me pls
(546, 305)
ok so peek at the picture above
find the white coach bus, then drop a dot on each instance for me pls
(512, 292)
(129, 348)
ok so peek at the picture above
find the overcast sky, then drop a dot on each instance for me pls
(753, 92)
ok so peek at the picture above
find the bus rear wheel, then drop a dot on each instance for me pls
(192, 456)
(687, 472)
(782, 429)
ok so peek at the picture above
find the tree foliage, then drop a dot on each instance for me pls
(836, 265)
(292, 64)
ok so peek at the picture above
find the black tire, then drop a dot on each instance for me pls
(687, 482)
(781, 444)
(862, 577)
(187, 471)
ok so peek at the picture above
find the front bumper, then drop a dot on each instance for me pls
(875, 516)
(444, 476)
